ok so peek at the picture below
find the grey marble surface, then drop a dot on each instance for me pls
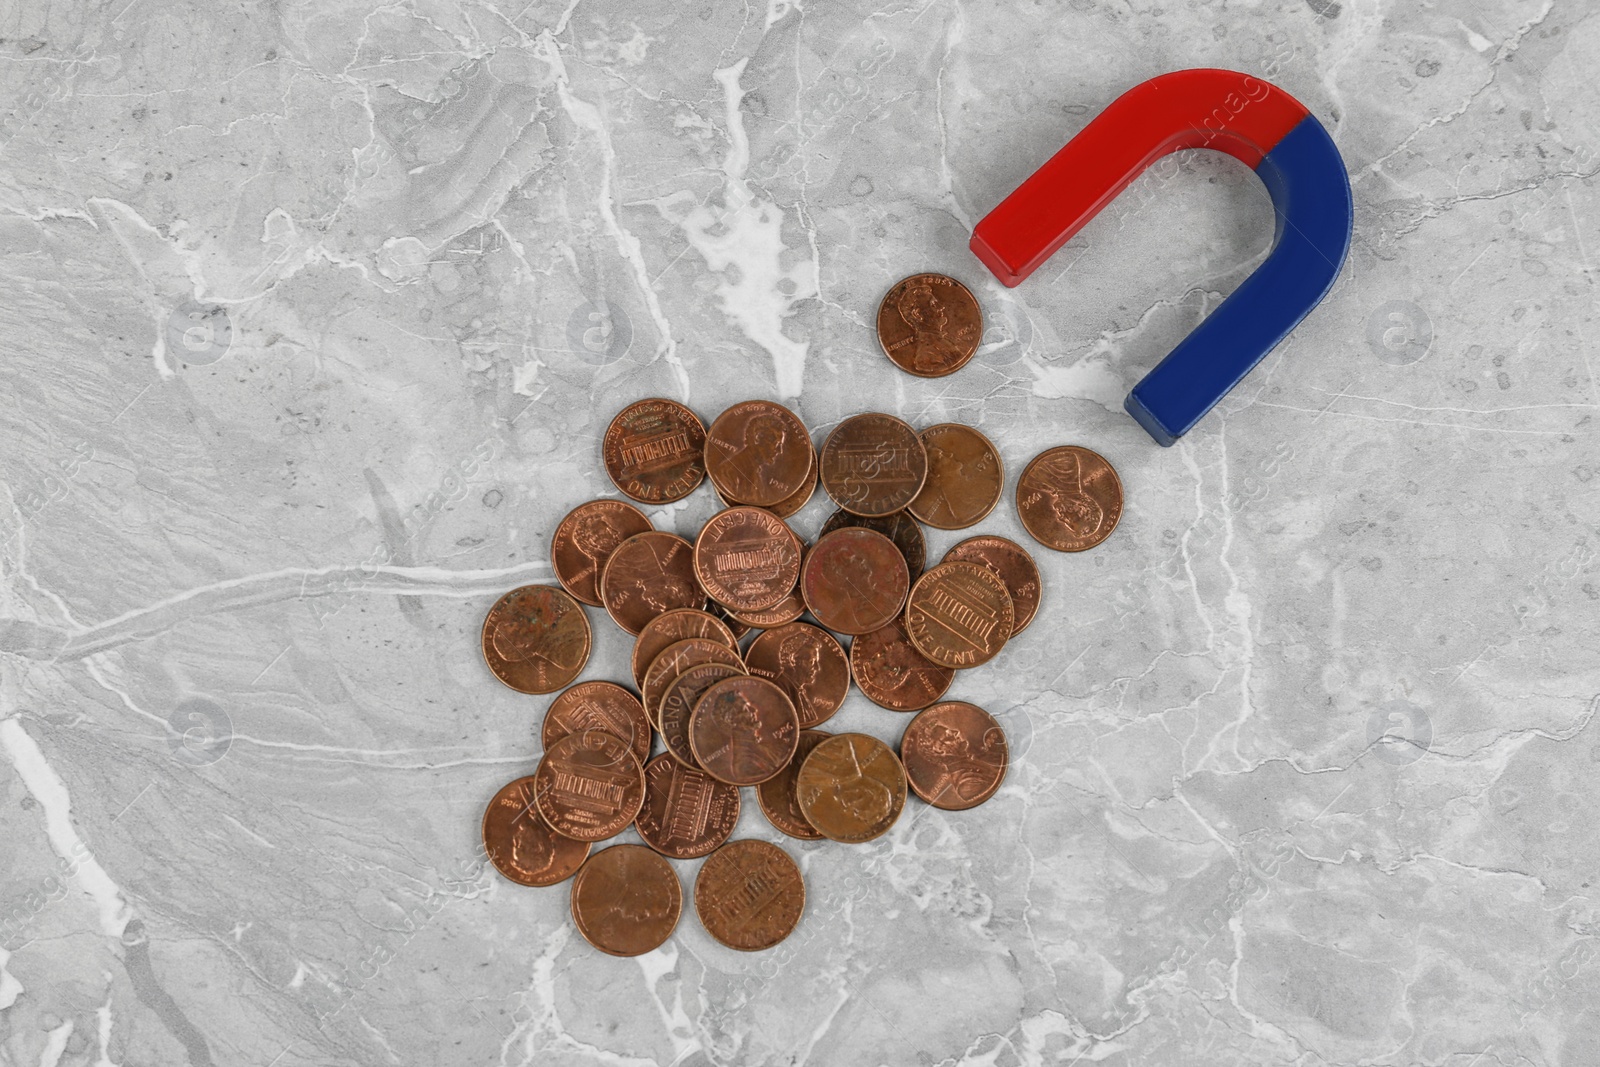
(313, 313)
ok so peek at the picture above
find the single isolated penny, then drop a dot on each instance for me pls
(929, 325)
(649, 574)
(747, 558)
(598, 706)
(536, 639)
(901, 528)
(677, 658)
(807, 664)
(959, 614)
(1069, 498)
(654, 451)
(521, 845)
(626, 900)
(891, 672)
(1014, 566)
(588, 786)
(743, 730)
(955, 755)
(873, 464)
(585, 539)
(852, 788)
(777, 797)
(854, 580)
(759, 453)
(687, 813)
(965, 477)
(749, 895)
(677, 707)
(673, 626)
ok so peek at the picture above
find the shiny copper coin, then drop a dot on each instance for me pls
(677, 706)
(777, 796)
(807, 664)
(759, 453)
(852, 788)
(521, 845)
(959, 614)
(901, 528)
(747, 558)
(677, 658)
(1014, 566)
(687, 813)
(589, 786)
(955, 755)
(929, 325)
(749, 895)
(536, 639)
(673, 626)
(598, 706)
(965, 477)
(654, 451)
(626, 900)
(649, 574)
(854, 580)
(743, 730)
(1069, 498)
(585, 539)
(891, 672)
(873, 464)
(787, 507)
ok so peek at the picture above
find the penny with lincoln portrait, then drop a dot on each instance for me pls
(873, 464)
(585, 539)
(647, 575)
(536, 639)
(1069, 498)
(597, 705)
(626, 900)
(759, 453)
(959, 614)
(654, 451)
(521, 844)
(955, 755)
(749, 895)
(929, 325)
(901, 528)
(1014, 566)
(743, 730)
(677, 707)
(776, 794)
(854, 580)
(687, 813)
(852, 788)
(965, 477)
(807, 663)
(677, 658)
(673, 626)
(891, 672)
(747, 558)
(588, 786)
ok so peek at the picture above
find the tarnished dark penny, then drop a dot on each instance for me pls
(891, 672)
(585, 539)
(598, 706)
(649, 574)
(851, 788)
(668, 628)
(955, 755)
(588, 786)
(521, 845)
(626, 900)
(854, 580)
(759, 453)
(1069, 498)
(959, 614)
(749, 895)
(807, 664)
(929, 325)
(776, 794)
(901, 528)
(677, 707)
(536, 639)
(677, 658)
(654, 450)
(965, 477)
(687, 813)
(1014, 566)
(747, 559)
(873, 464)
(743, 730)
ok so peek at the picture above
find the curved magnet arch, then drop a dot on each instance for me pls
(1250, 119)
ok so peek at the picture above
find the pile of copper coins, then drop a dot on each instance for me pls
(712, 709)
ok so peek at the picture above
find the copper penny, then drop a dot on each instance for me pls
(749, 895)
(649, 574)
(852, 788)
(521, 845)
(965, 477)
(687, 813)
(677, 706)
(626, 900)
(536, 639)
(673, 626)
(1069, 498)
(759, 453)
(585, 539)
(1014, 566)
(677, 658)
(589, 786)
(743, 730)
(747, 558)
(929, 325)
(901, 528)
(854, 580)
(955, 755)
(598, 706)
(891, 672)
(787, 507)
(959, 614)
(776, 794)
(654, 451)
(873, 464)
(807, 664)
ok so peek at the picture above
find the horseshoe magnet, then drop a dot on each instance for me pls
(1250, 119)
